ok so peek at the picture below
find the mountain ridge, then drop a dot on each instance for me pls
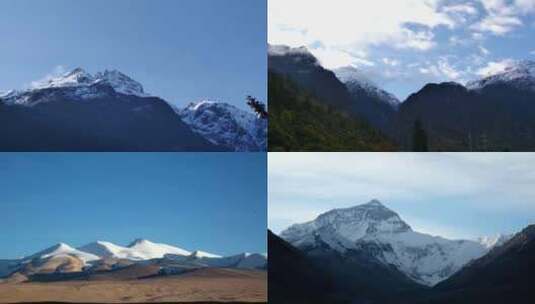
(109, 111)
(378, 232)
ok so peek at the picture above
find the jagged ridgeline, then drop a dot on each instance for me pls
(342, 110)
(140, 259)
(109, 111)
(369, 254)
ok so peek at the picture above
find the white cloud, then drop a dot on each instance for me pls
(460, 9)
(422, 40)
(442, 70)
(344, 24)
(483, 50)
(58, 70)
(498, 24)
(532, 52)
(448, 70)
(495, 67)
(503, 16)
(303, 185)
(391, 62)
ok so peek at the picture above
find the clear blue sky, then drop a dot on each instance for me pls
(183, 50)
(214, 202)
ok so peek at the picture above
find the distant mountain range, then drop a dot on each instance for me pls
(368, 254)
(494, 113)
(141, 258)
(109, 111)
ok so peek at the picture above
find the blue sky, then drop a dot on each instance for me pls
(215, 202)
(182, 51)
(402, 45)
(454, 195)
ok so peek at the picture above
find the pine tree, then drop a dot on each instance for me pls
(419, 140)
(257, 106)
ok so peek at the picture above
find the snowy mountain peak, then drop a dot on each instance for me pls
(226, 125)
(62, 249)
(76, 77)
(374, 203)
(149, 250)
(520, 74)
(120, 83)
(348, 224)
(355, 81)
(139, 241)
(202, 254)
(493, 241)
(77, 84)
(283, 50)
(297, 53)
(379, 233)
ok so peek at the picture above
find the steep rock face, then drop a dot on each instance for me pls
(378, 234)
(377, 105)
(509, 264)
(294, 277)
(226, 125)
(503, 275)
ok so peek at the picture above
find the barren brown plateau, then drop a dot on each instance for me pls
(202, 286)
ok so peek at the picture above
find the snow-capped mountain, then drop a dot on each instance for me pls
(150, 250)
(297, 52)
(495, 240)
(202, 254)
(138, 250)
(77, 84)
(109, 111)
(356, 81)
(243, 260)
(226, 125)
(376, 231)
(62, 249)
(520, 74)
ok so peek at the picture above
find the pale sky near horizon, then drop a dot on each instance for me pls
(454, 195)
(402, 45)
(182, 51)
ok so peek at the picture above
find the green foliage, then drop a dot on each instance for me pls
(299, 122)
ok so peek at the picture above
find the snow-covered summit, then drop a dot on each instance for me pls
(152, 250)
(283, 50)
(348, 224)
(355, 80)
(139, 249)
(520, 74)
(381, 233)
(202, 254)
(79, 78)
(226, 125)
(62, 249)
(77, 84)
(493, 241)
